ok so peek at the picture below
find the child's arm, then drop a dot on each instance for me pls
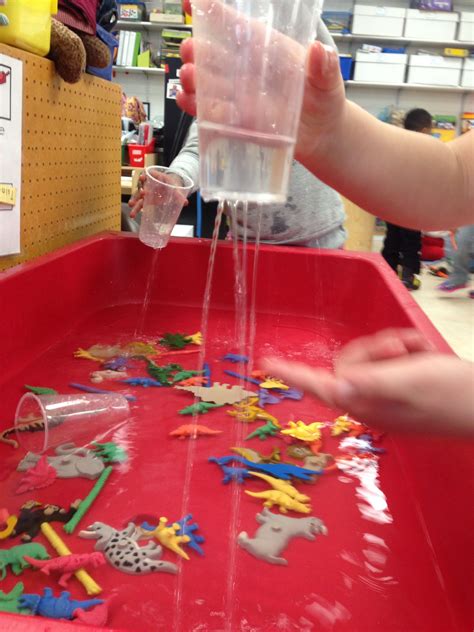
(406, 178)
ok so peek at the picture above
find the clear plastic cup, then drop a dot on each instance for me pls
(47, 421)
(165, 196)
(250, 68)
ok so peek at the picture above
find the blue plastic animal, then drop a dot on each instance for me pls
(186, 527)
(251, 380)
(237, 474)
(291, 393)
(117, 364)
(264, 397)
(206, 373)
(62, 607)
(284, 471)
(234, 357)
(141, 381)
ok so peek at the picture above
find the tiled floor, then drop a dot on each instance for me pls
(452, 314)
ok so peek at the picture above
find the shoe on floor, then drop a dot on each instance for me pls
(410, 280)
(447, 286)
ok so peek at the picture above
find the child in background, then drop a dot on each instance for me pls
(402, 246)
(462, 262)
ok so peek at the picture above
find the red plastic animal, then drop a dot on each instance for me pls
(193, 431)
(41, 475)
(67, 565)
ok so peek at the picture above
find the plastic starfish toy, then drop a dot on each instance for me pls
(195, 339)
(167, 537)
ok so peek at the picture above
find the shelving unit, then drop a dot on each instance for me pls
(350, 37)
(408, 86)
(126, 25)
(138, 69)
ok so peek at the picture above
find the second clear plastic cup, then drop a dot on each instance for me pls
(164, 200)
(250, 71)
(47, 421)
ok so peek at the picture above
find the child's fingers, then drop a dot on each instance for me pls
(136, 208)
(323, 70)
(187, 51)
(187, 102)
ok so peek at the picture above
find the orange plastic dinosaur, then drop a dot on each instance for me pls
(193, 431)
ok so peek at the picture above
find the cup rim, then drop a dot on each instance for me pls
(185, 187)
(31, 396)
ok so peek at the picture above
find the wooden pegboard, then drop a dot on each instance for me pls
(70, 158)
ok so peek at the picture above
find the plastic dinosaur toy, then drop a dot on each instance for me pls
(10, 602)
(195, 339)
(249, 412)
(15, 557)
(257, 457)
(101, 391)
(63, 607)
(343, 424)
(110, 452)
(117, 364)
(122, 550)
(283, 501)
(291, 393)
(284, 471)
(304, 432)
(168, 537)
(299, 451)
(41, 475)
(162, 374)
(244, 378)
(283, 486)
(275, 533)
(200, 408)
(197, 380)
(236, 359)
(231, 473)
(193, 431)
(35, 425)
(189, 528)
(41, 390)
(33, 514)
(140, 348)
(263, 432)
(218, 393)
(141, 381)
(273, 383)
(86, 355)
(207, 374)
(174, 341)
(108, 374)
(69, 462)
(67, 565)
(184, 375)
(264, 398)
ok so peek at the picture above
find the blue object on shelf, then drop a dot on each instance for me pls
(112, 43)
(337, 21)
(346, 62)
(395, 51)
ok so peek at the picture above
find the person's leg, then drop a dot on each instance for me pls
(461, 260)
(410, 249)
(391, 246)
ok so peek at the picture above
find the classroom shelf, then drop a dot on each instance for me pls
(150, 26)
(350, 37)
(138, 69)
(408, 86)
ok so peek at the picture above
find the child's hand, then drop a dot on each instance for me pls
(324, 99)
(393, 381)
(136, 201)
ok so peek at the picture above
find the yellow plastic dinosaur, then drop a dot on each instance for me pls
(304, 432)
(167, 537)
(195, 339)
(273, 383)
(283, 486)
(284, 502)
(248, 412)
(85, 355)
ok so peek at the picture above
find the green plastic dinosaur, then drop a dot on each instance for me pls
(110, 452)
(14, 557)
(201, 408)
(263, 432)
(9, 602)
(162, 374)
(41, 390)
(174, 341)
(184, 375)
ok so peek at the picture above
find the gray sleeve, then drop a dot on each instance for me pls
(186, 162)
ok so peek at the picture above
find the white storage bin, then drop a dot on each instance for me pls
(431, 25)
(434, 70)
(380, 67)
(384, 21)
(466, 27)
(467, 80)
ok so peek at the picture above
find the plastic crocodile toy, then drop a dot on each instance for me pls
(201, 408)
(15, 557)
(63, 607)
(141, 381)
(9, 602)
(67, 565)
(267, 430)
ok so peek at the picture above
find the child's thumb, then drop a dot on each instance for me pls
(323, 71)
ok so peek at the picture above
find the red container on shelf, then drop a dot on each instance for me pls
(396, 555)
(137, 153)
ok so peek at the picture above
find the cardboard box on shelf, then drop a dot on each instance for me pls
(168, 18)
(467, 77)
(444, 127)
(431, 25)
(466, 27)
(434, 70)
(383, 21)
(380, 67)
(467, 122)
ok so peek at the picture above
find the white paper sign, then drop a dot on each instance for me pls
(11, 100)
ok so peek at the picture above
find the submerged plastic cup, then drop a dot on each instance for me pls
(47, 421)
(164, 201)
(250, 69)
